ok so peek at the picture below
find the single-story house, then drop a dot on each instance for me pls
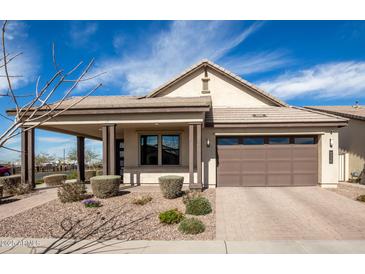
(209, 126)
(351, 138)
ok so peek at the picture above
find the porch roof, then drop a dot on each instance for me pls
(270, 115)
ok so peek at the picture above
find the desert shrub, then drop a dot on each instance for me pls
(1, 191)
(142, 200)
(191, 226)
(361, 198)
(89, 174)
(99, 172)
(198, 206)
(39, 181)
(22, 189)
(91, 203)
(72, 175)
(105, 186)
(172, 216)
(171, 186)
(71, 192)
(55, 179)
(10, 184)
(189, 195)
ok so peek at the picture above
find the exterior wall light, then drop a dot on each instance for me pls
(331, 142)
(208, 142)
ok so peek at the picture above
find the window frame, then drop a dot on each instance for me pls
(140, 148)
(159, 135)
(170, 134)
(266, 139)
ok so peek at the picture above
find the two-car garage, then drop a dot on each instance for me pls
(267, 161)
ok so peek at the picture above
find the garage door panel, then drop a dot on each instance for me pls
(304, 179)
(275, 152)
(252, 166)
(305, 153)
(252, 154)
(229, 180)
(279, 166)
(304, 166)
(267, 165)
(253, 180)
(279, 179)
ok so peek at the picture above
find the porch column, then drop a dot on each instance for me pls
(80, 158)
(112, 150)
(191, 154)
(105, 149)
(27, 157)
(199, 155)
(24, 156)
(31, 164)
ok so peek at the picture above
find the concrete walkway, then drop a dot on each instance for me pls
(37, 199)
(287, 213)
(26, 246)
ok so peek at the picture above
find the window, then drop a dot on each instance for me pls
(253, 141)
(149, 149)
(304, 140)
(228, 141)
(279, 140)
(170, 149)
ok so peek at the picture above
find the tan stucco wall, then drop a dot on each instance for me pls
(327, 174)
(352, 141)
(224, 91)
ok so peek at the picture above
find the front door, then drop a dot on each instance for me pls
(120, 157)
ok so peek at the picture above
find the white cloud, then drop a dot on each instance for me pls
(81, 32)
(256, 62)
(170, 52)
(24, 65)
(331, 80)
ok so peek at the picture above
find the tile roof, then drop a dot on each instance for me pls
(101, 102)
(268, 115)
(354, 112)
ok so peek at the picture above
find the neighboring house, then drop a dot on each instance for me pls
(208, 125)
(352, 137)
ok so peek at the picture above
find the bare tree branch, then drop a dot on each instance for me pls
(38, 110)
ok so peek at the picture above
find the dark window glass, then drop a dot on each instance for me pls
(170, 149)
(149, 150)
(253, 141)
(228, 141)
(304, 140)
(279, 140)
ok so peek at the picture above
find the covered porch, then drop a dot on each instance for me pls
(140, 145)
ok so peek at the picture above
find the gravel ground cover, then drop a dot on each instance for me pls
(117, 218)
(349, 190)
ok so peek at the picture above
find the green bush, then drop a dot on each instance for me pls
(89, 174)
(12, 185)
(72, 175)
(99, 172)
(198, 206)
(188, 195)
(142, 200)
(172, 216)
(1, 191)
(71, 192)
(105, 186)
(191, 226)
(55, 179)
(361, 198)
(171, 186)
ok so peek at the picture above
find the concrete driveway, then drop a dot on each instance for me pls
(287, 213)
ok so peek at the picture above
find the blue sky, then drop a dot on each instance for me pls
(301, 62)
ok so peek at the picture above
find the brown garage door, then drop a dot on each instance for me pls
(267, 161)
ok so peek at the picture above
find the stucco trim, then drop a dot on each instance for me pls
(277, 125)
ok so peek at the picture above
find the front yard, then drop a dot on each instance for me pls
(117, 218)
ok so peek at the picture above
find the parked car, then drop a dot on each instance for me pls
(5, 171)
